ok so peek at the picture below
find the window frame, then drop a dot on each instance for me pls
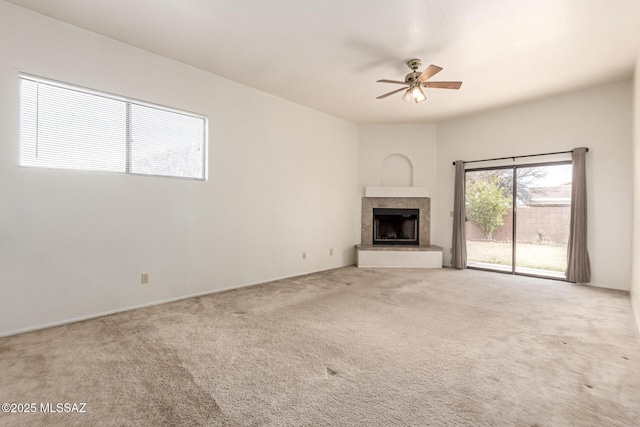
(128, 101)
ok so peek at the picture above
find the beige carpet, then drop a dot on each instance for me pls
(346, 347)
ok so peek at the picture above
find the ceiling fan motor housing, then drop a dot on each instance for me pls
(412, 77)
(414, 64)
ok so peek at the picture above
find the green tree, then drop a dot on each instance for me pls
(486, 204)
(527, 180)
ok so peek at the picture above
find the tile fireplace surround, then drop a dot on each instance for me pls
(424, 255)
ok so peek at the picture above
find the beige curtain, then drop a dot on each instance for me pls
(459, 244)
(578, 266)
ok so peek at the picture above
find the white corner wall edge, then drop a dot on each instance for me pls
(396, 192)
(151, 304)
(634, 304)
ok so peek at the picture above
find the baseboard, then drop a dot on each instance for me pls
(154, 303)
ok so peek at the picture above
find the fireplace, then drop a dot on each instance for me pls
(395, 232)
(384, 222)
(395, 226)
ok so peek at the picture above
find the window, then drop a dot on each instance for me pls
(68, 127)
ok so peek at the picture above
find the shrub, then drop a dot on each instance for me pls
(486, 204)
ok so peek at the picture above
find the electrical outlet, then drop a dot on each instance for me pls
(304, 255)
(331, 251)
(144, 278)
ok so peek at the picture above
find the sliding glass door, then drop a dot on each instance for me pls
(518, 218)
(489, 212)
(542, 219)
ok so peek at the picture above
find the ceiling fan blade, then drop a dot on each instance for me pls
(442, 85)
(391, 93)
(431, 71)
(391, 81)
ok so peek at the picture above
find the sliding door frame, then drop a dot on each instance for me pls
(514, 213)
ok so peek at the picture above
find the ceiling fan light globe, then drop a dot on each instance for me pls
(418, 94)
(408, 96)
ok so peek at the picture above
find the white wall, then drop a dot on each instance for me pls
(598, 118)
(282, 180)
(635, 260)
(416, 142)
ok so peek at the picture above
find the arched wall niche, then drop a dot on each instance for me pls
(396, 170)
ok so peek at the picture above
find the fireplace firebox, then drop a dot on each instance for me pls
(395, 226)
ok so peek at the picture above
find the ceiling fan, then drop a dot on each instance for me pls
(415, 81)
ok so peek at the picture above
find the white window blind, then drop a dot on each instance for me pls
(67, 127)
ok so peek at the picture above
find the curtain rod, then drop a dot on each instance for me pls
(517, 157)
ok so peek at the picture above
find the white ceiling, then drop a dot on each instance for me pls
(328, 54)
